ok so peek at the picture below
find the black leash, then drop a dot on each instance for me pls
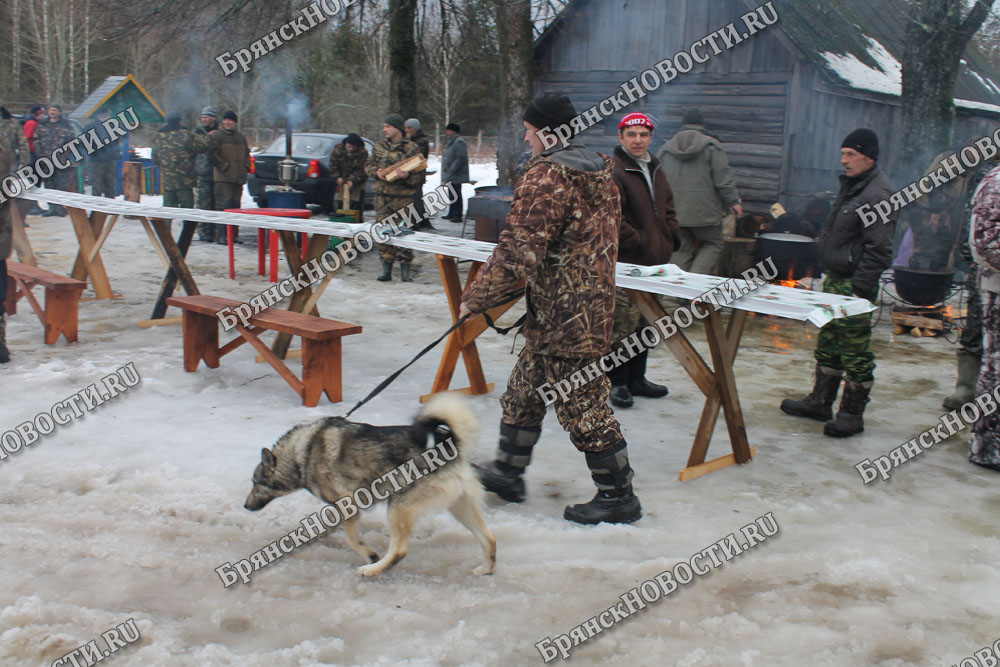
(513, 296)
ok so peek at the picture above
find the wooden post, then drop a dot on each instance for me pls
(132, 182)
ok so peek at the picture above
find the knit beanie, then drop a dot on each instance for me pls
(354, 139)
(550, 110)
(395, 120)
(863, 141)
(454, 127)
(230, 115)
(414, 123)
(209, 111)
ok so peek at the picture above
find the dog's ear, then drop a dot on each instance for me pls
(267, 457)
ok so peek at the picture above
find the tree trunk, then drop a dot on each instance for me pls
(402, 58)
(513, 21)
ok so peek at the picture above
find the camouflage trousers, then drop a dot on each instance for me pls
(385, 206)
(102, 179)
(585, 414)
(972, 334)
(205, 200)
(182, 198)
(846, 344)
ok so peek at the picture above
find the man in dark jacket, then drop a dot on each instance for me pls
(103, 160)
(648, 236)
(455, 168)
(49, 136)
(347, 165)
(561, 240)
(854, 257)
(231, 163)
(208, 123)
(417, 136)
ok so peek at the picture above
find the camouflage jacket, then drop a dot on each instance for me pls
(562, 241)
(349, 165)
(203, 163)
(230, 155)
(50, 136)
(13, 150)
(386, 154)
(174, 152)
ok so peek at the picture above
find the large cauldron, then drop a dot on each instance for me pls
(794, 256)
(489, 208)
(922, 288)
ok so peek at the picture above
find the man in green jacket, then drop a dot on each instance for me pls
(231, 161)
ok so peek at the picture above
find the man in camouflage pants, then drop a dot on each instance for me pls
(854, 257)
(13, 150)
(561, 239)
(175, 150)
(395, 195)
(208, 123)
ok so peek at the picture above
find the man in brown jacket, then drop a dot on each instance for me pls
(230, 156)
(561, 240)
(648, 236)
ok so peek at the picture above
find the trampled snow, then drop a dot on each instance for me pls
(126, 512)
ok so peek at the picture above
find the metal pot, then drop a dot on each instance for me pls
(794, 256)
(922, 288)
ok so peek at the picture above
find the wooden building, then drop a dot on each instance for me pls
(781, 101)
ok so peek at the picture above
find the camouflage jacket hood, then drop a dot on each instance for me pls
(561, 241)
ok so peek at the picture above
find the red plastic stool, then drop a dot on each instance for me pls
(303, 213)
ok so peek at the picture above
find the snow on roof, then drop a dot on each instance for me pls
(982, 106)
(887, 78)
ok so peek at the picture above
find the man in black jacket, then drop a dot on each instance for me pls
(854, 257)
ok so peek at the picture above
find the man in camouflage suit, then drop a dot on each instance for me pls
(175, 150)
(49, 136)
(561, 239)
(854, 257)
(208, 123)
(392, 196)
(14, 151)
(347, 165)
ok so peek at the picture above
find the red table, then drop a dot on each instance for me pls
(275, 212)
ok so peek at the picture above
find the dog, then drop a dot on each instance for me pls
(332, 457)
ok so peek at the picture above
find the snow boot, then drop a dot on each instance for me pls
(386, 272)
(404, 273)
(849, 419)
(620, 396)
(504, 475)
(614, 502)
(968, 375)
(818, 404)
(4, 352)
(638, 385)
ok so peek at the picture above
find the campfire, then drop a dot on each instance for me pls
(920, 321)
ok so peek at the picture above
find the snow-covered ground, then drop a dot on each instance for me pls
(126, 512)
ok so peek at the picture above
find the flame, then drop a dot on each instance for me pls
(787, 283)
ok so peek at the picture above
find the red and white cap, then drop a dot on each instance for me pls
(636, 118)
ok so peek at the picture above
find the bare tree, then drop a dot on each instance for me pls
(402, 57)
(514, 31)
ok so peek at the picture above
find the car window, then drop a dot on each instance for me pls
(303, 144)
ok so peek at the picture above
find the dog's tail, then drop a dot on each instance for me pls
(453, 412)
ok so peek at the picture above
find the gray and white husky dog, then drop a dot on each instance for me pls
(332, 457)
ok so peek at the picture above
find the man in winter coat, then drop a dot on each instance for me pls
(648, 236)
(417, 136)
(208, 123)
(347, 165)
(49, 136)
(455, 168)
(231, 163)
(561, 240)
(14, 153)
(394, 195)
(175, 149)
(704, 192)
(30, 127)
(102, 161)
(854, 257)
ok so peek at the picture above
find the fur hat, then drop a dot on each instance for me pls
(230, 115)
(863, 141)
(550, 110)
(395, 120)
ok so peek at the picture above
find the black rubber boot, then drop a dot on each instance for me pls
(968, 375)
(615, 502)
(818, 404)
(638, 385)
(4, 352)
(206, 232)
(504, 475)
(404, 273)
(620, 396)
(850, 419)
(386, 272)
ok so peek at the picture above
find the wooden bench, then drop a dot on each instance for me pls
(62, 298)
(320, 343)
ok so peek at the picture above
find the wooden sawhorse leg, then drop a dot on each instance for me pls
(170, 280)
(88, 260)
(22, 246)
(719, 386)
(462, 340)
(317, 246)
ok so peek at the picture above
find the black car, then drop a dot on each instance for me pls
(311, 150)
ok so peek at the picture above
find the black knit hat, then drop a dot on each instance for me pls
(395, 120)
(455, 127)
(354, 139)
(230, 115)
(692, 116)
(550, 110)
(863, 141)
